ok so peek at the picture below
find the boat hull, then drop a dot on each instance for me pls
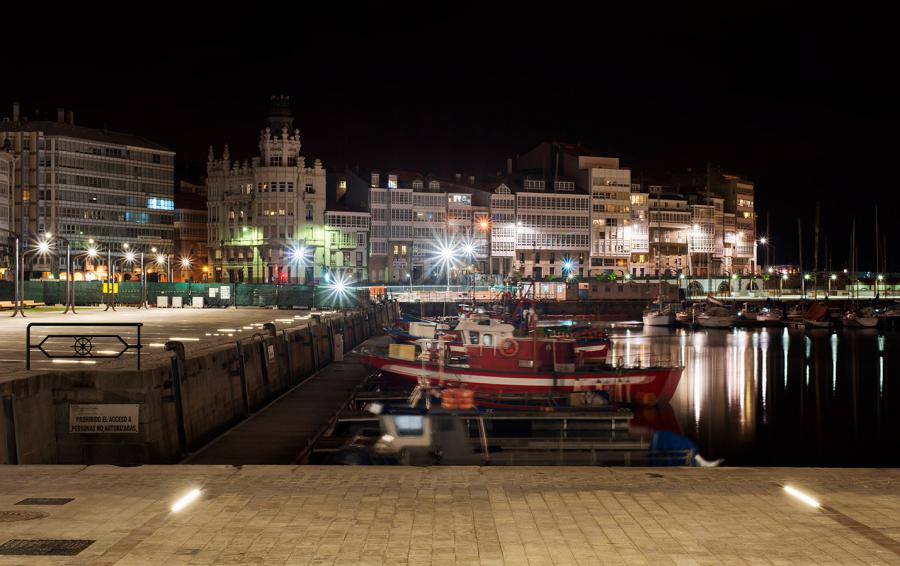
(861, 321)
(646, 386)
(662, 319)
(715, 321)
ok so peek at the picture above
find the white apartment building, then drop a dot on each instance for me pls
(553, 233)
(267, 215)
(95, 188)
(346, 252)
(561, 210)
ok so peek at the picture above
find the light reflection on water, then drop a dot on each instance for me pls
(814, 397)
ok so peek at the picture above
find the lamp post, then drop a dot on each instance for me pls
(485, 226)
(70, 285)
(18, 290)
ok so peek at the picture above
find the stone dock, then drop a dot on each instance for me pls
(184, 395)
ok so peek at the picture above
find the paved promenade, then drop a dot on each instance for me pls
(485, 516)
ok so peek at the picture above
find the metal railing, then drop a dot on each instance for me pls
(82, 345)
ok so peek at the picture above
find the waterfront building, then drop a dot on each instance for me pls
(7, 241)
(267, 214)
(191, 257)
(98, 189)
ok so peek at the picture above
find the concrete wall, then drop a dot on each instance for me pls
(216, 389)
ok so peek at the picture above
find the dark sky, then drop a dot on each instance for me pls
(786, 97)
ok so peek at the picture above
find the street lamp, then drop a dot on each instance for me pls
(70, 285)
(19, 284)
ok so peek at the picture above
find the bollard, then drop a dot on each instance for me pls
(287, 354)
(9, 413)
(270, 328)
(245, 393)
(177, 368)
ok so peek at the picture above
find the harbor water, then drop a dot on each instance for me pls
(779, 396)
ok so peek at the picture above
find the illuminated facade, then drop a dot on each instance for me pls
(190, 259)
(267, 215)
(346, 245)
(83, 185)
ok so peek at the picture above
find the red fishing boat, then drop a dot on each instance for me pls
(490, 359)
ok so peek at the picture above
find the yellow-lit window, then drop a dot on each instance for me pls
(26, 194)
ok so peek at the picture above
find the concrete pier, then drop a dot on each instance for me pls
(185, 395)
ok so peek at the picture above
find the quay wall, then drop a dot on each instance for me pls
(183, 403)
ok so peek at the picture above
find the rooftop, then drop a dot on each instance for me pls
(51, 128)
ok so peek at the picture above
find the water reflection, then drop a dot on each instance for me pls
(814, 397)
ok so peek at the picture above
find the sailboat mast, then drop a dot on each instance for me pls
(800, 240)
(877, 251)
(815, 273)
(853, 256)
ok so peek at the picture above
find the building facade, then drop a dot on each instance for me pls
(267, 214)
(99, 190)
(191, 252)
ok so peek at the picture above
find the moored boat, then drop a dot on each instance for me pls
(716, 317)
(658, 317)
(489, 359)
(862, 318)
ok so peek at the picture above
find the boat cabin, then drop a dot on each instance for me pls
(483, 331)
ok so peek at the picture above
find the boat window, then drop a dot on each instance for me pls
(409, 425)
(488, 340)
(473, 337)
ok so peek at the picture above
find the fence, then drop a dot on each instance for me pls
(213, 294)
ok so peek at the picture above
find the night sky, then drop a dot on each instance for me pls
(782, 97)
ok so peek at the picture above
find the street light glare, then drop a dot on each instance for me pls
(185, 262)
(129, 257)
(43, 247)
(763, 240)
(161, 259)
(92, 252)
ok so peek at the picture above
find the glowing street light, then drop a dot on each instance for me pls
(185, 263)
(763, 240)
(129, 256)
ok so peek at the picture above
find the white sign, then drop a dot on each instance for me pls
(225, 292)
(271, 350)
(213, 291)
(107, 418)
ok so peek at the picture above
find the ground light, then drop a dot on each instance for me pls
(185, 500)
(794, 492)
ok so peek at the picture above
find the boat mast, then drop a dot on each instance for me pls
(800, 240)
(815, 273)
(853, 259)
(877, 254)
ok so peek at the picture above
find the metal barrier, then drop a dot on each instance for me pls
(82, 345)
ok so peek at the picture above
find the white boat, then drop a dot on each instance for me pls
(684, 317)
(716, 317)
(656, 317)
(768, 315)
(864, 318)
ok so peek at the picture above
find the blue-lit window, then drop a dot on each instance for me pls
(160, 203)
(410, 425)
(139, 217)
